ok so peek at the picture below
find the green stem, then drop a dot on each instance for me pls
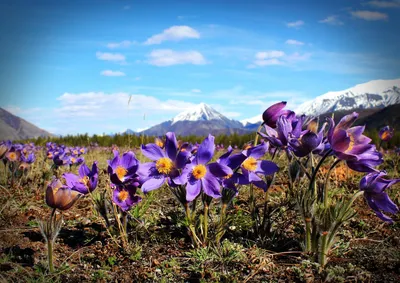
(192, 233)
(256, 138)
(221, 232)
(50, 255)
(324, 249)
(327, 182)
(314, 173)
(308, 234)
(205, 223)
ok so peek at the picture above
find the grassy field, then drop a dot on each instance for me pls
(159, 247)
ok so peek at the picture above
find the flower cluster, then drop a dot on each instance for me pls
(288, 132)
(64, 155)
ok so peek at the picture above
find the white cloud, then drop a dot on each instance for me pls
(168, 57)
(195, 90)
(110, 73)
(122, 44)
(113, 57)
(174, 33)
(369, 15)
(332, 20)
(277, 57)
(384, 4)
(296, 24)
(294, 42)
(127, 7)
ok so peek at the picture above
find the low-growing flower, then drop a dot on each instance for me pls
(86, 181)
(374, 186)
(272, 113)
(125, 196)
(386, 133)
(200, 176)
(59, 196)
(123, 169)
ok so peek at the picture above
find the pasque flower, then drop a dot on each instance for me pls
(125, 196)
(386, 133)
(272, 113)
(201, 176)
(348, 143)
(86, 181)
(165, 163)
(374, 186)
(123, 169)
(59, 196)
(252, 167)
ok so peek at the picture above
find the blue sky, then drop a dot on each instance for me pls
(71, 66)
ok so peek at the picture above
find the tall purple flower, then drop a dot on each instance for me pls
(233, 162)
(123, 169)
(374, 187)
(165, 164)
(386, 133)
(252, 166)
(124, 196)
(272, 113)
(86, 181)
(348, 143)
(200, 176)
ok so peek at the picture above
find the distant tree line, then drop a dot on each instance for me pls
(127, 140)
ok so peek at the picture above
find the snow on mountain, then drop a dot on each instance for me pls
(254, 120)
(201, 112)
(373, 94)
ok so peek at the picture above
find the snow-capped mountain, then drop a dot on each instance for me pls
(254, 120)
(201, 112)
(200, 120)
(373, 94)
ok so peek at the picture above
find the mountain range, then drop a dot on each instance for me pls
(377, 101)
(15, 128)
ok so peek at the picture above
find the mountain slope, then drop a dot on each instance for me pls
(200, 120)
(15, 128)
(373, 94)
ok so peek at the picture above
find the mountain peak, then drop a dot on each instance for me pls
(200, 112)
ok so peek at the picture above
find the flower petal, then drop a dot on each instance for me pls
(211, 186)
(206, 150)
(192, 189)
(152, 184)
(152, 151)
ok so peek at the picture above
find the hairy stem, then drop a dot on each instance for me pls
(327, 182)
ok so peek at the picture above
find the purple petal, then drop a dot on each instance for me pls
(192, 189)
(347, 121)
(257, 151)
(211, 186)
(129, 160)
(206, 150)
(219, 170)
(171, 145)
(152, 184)
(266, 167)
(84, 170)
(271, 113)
(71, 179)
(152, 151)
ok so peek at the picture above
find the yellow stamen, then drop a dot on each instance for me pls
(159, 142)
(85, 181)
(250, 164)
(164, 165)
(123, 195)
(12, 156)
(75, 152)
(351, 144)
(82, 150)
(199, 171)
(121, 172)
(386, 135)
(73, 160)
(227, 176)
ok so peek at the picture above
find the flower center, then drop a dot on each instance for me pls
(73, 160)
(386, 135)
(228, 176)
(12, 156)
(85, 181)
(159, 143)
(250, 164)
(164, 165)
(75, 152)
(82, 150)
(351, 144)
(121, 172)
(199, 171)
(123, 195)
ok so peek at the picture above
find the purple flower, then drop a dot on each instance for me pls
(123, 169)
(374, 187)
(13, 154)
(351, 145)
(166, 163)
(86, 181)
(60, 196)
(233, 162)
(200, 176)
(28, 159)
(386, 133)
(124, 196)
(271, 115)
(4, 148)
(251, 166)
